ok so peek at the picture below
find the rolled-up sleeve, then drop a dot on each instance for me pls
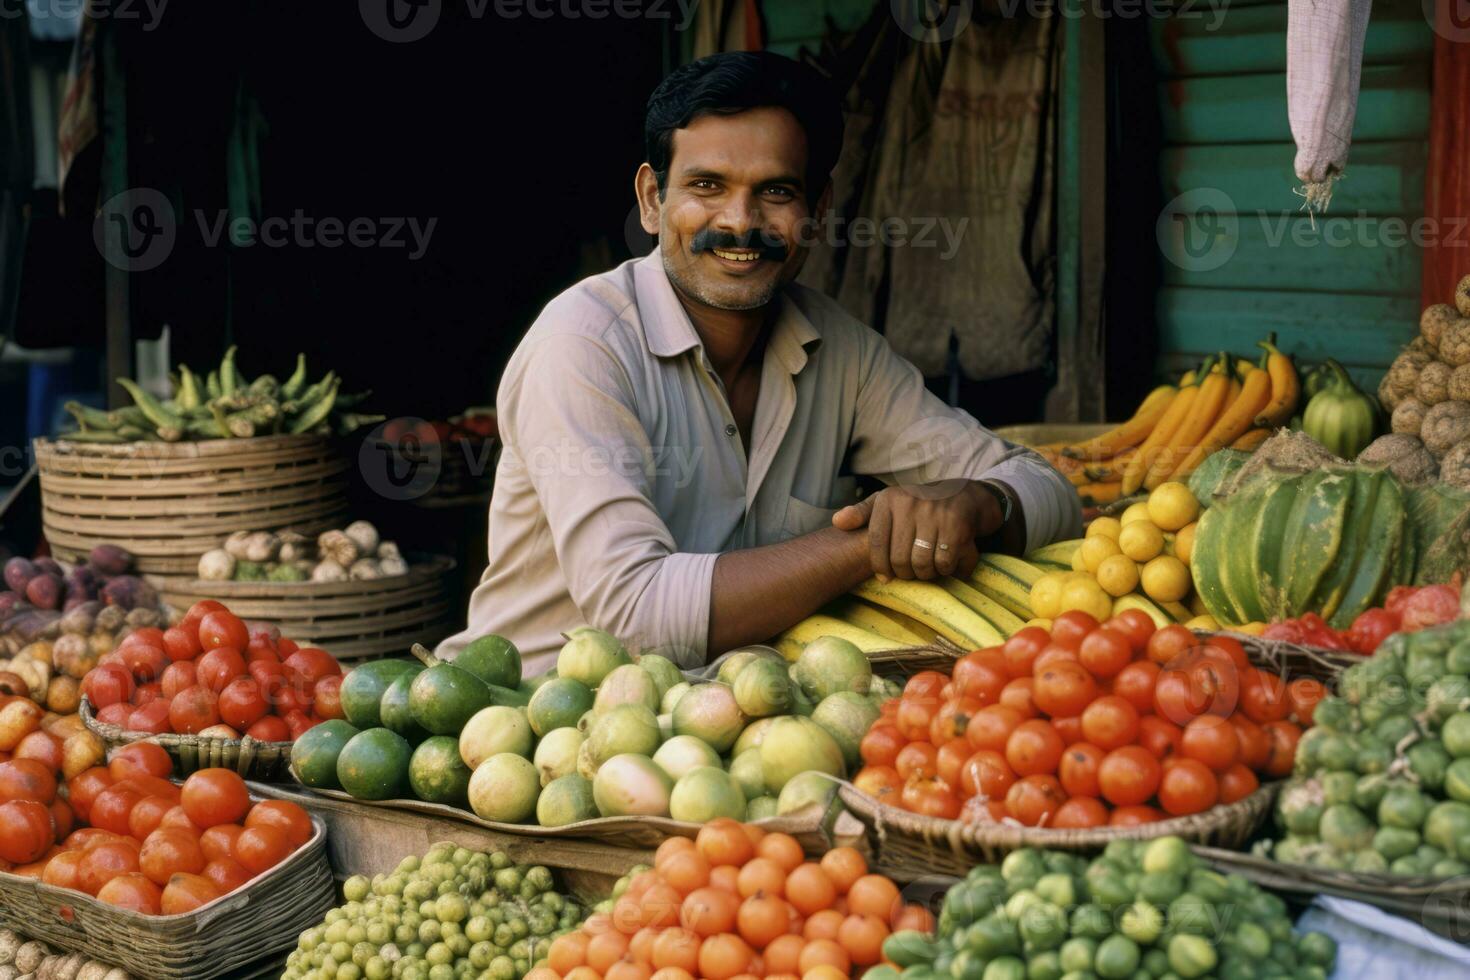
(904, 435)
(570, 418)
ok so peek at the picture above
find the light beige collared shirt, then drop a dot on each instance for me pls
(623, 476)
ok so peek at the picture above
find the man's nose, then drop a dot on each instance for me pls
(739, 215)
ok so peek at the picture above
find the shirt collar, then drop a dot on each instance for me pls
(668, 331)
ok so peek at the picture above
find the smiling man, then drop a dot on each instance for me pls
(683, 434)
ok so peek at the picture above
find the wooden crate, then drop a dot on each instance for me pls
(168, 503)
(350, 620)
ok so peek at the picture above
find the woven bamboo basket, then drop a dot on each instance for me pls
(1441, 904)
(910, 845)
(350, 620)
(237, 929)
(908, 661)
(249, 757)
(168, 503)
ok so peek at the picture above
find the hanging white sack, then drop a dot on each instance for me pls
(1324, 64)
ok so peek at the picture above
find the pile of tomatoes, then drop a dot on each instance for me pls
(734, 902)
(149, 845)
(1089, 725)
(213, 675)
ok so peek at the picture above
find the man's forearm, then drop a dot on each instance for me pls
(758, 592)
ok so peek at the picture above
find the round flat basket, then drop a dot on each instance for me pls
(168, 503)
(910, 846)
(252, 759)
(350, 620)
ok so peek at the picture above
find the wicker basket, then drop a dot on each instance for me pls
(1441, 904)
(910, 845)
(908, 661)
(168, 503)
(249, 757)
(242, 927)
(350, 620)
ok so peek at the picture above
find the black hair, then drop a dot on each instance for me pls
(732, 82)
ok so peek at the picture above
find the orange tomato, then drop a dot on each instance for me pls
(991, 726)
(1211, 740)
(1034, 748)
(1080, 811)
(881, 744)
(986, 774)
(1105, 652)
(1070, 628)
(1078, 769)
(843, 867)
(930, 797)
(1035, 800)
(914, 917)
(809, 890)
(761, 918)
(952, 718)
(167, 852)
(686, 870)
(917, 759)
(215, 796)
(1110, 722)
(880, 782)
(1017, 696)
(1284, 735)
(950, 759)
(85, 786)
(781, 848)
(709, 911)
(915, 715)
(1063, 689)
(226, 873)
(1128, 776)
(1303, 694)
(824, 952)
(132, 891)
(1135, 684)
(761, 875)
(64, 870)
(179, 820)
(676, 949)
(1132, 816)
(875, 895)
(723, 841)
(1160, 736)
(1070, 729)
(284, 815)
(605, 948)
(1166, 644)
(1053, 654)
(926, 684)
(981, 675)
(102, 863)
(724, 956)
(1236, 783)
(113, 806)
(26, 831)
(27, 779)
(1136, 625)
(862, 937)
(187, 892)
(1187, 786)
(822, 925)
(147, 814)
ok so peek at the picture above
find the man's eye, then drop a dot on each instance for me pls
(703, 185)
(784, 193)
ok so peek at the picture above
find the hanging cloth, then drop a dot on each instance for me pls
(1324, 66)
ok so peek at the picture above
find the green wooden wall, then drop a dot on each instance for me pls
(1345, 287)
(793, 25)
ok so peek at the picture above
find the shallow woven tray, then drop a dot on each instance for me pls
(263, 917)
(351, 620)
(910, 845)
(1441, 904)
(911, 660)
(251, 758)
(168, 503)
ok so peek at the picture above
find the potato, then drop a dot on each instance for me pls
(17, 720)
(1433, 385)
(29, 956)
(1434, 320)
(62, 726)
(1454, 344)
(1389, 396)
(1462, 297)
(1403, 374)
(1454, 469)
(81, 752)
(1444, 425)
(13, 684)
(64, 695)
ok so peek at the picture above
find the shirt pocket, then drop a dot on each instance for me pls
(804, 518)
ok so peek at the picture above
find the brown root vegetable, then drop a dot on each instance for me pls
(18, 573)
(1389, 396)
(1408, 418)
(110, 619)
(144, 616)
(1454, 469)
(1402, 455)
(1403, 373)
(62, 726)
(1462, 296)
(80, 752)
(72, 655)
(14, 685)
(30, 955)
(17, 720)
(1454, 343)
(129, 592)
(1434, 320)
(9, 943)
(1433, 385)
(109, 559)
(9, 602)
(64, 695)
(1444, 425)
(81, 619)
(45, 591)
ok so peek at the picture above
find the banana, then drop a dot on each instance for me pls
(934, 607)
(1011, 591)
(1058, 553)
(993, 612)
(1136, 601)
(1178, 610)
(875, 620)
(809, 629)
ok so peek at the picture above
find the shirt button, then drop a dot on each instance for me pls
(730, 429)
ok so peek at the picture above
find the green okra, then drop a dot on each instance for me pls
(293, 385)
(227, 372)
(206, 428)
(354, 399)
(347, 423)
(90, 418)
(170, 433)
(188, 394)
(130, 415)
(317, 413)
(93, 435)
(211, 385)
(265, 386)
(311, 395)
(132, 433)
(154, 410)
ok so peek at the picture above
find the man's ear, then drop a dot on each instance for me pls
(645, 186)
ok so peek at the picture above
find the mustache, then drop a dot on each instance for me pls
(768, 246)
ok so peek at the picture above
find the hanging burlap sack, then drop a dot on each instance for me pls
(1324, 64)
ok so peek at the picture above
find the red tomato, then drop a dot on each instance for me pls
(1069, 728)
(221, 628)
(1212, 741)
(1187, 786)
(1255, 744)
(193, 709)
(1078, 769)
(152, 717)
(952, 719)
(1168, 643)
(931, 798)
(1063, 689)
(298, 723)
(147, 694)
(270, 729)
(197, 612)
(1034, 748)
(1135, 684)
(289, 699)
(1132, 816)
(1129, 776)
(1303, 695)
(1022, 649)
(992, 726)
(1069, 628)
(177, 676)
(1371, 628)
(1136, 625)
(1231, 648)
(1263, 697)
(1105, 652)
(108, 684)
(325, 699)
(917, 759)
(981, 675)
(925, 684)
(1200, 682)
(1284, 736)
(1109, 722)
(1236, 783)
(1018, 697)
(1054, 653)
(881, 744)
(986, 774)
(309, 665)
(146, 662)
(217, 667)
(1078, 812)
(241, 703)
(1160, 736)
(915, 715)
(950, 760)
(181, 643)
(1034, 800)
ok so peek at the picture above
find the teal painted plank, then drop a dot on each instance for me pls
(1382, 178)
(1228, 40)
(1392, 105)
(1283, 250)
(848, 15)
(1361, 330)
(793, 21)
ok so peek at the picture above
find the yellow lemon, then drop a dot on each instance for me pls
(1205, 622)
(1078, 565)
(1046, 595)
(1184, 541)
(1089, 597)
(1135, 512)
(1141, 541)
(1095, 550)
(1165, 579)
(1171, 506)
(1118, 575)
(1107, 527)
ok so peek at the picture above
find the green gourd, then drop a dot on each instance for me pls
(1339, 416)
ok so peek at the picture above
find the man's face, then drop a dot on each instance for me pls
(732, 215)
